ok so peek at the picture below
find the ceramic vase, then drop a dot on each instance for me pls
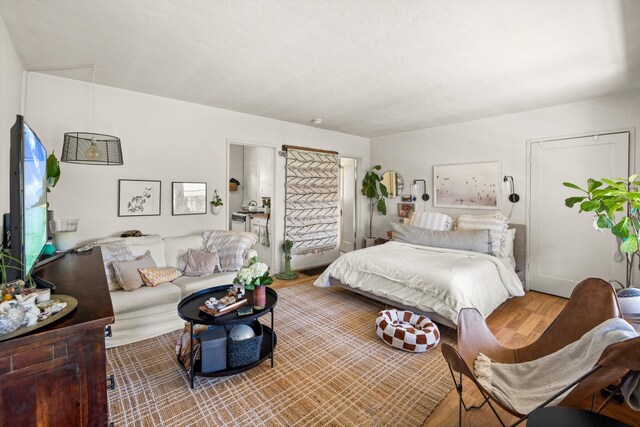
(259, 297)
(216, 209)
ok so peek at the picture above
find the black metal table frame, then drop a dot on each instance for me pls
(224, 373)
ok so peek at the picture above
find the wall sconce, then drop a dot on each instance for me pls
(415, 187)
(509, 188)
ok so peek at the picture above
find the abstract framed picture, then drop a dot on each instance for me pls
(189, 198)
(139, 197)
(468, 185)
(406, 209)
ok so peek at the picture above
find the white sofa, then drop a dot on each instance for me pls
(151, 311)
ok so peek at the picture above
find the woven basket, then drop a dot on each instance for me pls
(245, 352)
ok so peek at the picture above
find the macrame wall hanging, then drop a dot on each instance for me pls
(311, 203)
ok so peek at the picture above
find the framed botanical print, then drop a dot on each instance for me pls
(139, 197)
(189, 198)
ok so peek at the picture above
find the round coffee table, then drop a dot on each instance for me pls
(189, 310)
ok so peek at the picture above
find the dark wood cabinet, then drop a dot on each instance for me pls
(56, 376)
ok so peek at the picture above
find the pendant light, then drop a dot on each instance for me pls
(92, 148)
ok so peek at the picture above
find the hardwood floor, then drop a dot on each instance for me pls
(517, 322)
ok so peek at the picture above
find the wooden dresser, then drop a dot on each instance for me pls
(57, 375)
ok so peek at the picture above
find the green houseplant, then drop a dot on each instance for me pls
(53, 172)
(216, 203)
(375, 191)
(615, 205)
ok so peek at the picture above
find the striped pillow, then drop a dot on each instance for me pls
(496, 224)
(153, 276)
(431, 221)
(232, 247)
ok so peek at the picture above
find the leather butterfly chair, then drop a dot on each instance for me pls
(592, 302)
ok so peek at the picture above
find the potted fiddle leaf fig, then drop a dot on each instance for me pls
(375, 191)
(615, 206)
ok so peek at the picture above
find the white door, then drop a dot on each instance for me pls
(348, 204)
(564, 247)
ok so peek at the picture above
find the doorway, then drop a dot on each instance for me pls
(251, 174)
(348, 197)
(564, 248)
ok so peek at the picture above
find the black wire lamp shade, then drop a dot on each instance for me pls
(91, 149)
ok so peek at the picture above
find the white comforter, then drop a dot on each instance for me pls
(432, 279)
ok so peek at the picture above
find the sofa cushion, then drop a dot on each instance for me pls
(128, 302)
(201, 263)
(154, 276)
(156, 249)
(175, 249)
(191, 284)
(232, 247)
(127, 271)
(114, 251)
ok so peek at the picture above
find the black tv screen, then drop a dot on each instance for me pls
(28, 189)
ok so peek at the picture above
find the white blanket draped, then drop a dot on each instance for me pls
(431, 279)
(525, 386)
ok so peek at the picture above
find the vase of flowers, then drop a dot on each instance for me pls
(254, 276)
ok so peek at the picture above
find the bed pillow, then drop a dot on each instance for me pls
(153, 276)
(430, 221)
(467, 240)
(127, 274)
(496, 224)
(507, 247)
(201, 263)
(114, 251)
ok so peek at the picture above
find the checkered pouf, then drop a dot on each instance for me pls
(407, 331)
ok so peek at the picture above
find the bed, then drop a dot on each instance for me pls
(432, 281)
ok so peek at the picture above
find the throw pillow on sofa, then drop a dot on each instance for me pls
(127, 273)
(153, 276)
(201, 263)
(114, 251)
(232, 247)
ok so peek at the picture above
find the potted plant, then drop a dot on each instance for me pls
(615, 204)
(254, 276)
(216, 203)
(376, 192)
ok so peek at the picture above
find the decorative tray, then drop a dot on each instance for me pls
(227, 309)
(72, 303)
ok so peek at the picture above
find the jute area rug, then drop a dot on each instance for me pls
(330, 370)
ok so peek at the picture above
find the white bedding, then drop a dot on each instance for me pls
(432, 279)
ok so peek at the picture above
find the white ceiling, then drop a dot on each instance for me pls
(367, 68)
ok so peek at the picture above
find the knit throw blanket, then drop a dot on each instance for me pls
(525, 386)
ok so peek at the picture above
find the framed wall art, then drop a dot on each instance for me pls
(189, 198)
(469, 185)
(406, 209)
(138, 197)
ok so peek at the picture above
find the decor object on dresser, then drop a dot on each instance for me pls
(288, 274)
(64, 233)
(311, 201)
(469, 186)
(254, 276)
(556, 369)
(216, 203)
(407, 331)
(375, 191)
(138, 197)
(189, 198)
(615, 205)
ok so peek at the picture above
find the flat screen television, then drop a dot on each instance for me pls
(28, 198)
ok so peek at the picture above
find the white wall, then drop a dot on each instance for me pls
(162, 139)
(10, 104)
(236, 170)
(501, 138)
